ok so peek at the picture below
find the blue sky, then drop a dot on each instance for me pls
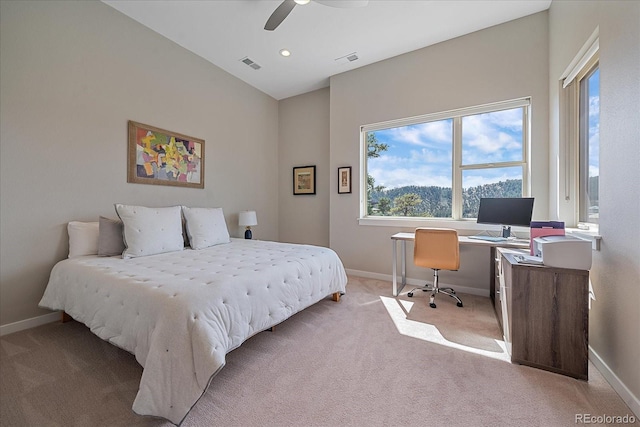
(421, 154)
(594, 124)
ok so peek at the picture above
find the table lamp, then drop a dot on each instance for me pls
(247, 218)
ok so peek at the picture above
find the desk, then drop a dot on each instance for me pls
(545, 315)
(464, 240)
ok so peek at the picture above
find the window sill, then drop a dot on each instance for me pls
(471, 226)
(463, 225)
(591, 235)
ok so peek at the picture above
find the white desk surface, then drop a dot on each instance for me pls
(465, 240)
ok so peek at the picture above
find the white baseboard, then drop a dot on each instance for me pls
(627, 395)
(417, 282)
(29, 323)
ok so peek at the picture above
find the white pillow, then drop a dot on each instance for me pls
(83, 238)
(150, 231)
(205, 227)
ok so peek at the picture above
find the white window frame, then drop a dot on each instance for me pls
(457, 168)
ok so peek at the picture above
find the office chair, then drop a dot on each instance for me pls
(438, 249)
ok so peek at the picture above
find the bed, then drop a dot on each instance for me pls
(181, 312)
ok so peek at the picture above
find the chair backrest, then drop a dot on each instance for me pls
(437, 248)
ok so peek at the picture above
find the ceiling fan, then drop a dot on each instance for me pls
(287, 6)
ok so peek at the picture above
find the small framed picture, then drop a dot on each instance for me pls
(344, 180)
(304, 180)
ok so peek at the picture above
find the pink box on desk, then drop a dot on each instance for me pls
(545, 228)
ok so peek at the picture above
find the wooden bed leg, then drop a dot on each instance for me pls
(66, 318)
(336, 296)
(272, 329)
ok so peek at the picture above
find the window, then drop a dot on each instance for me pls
(440, 165)
(589, 145)
(580, 119)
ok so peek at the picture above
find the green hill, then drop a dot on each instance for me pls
(436, 201)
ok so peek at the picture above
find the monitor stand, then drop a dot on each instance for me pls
(506, 231)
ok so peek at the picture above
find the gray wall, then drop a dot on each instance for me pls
(72, 74)
(504, 62)
(304, 141)
(614, 319)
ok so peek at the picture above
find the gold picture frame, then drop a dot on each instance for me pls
(160, 157)
(304, 180)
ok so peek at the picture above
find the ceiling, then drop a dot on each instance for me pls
(226, 31)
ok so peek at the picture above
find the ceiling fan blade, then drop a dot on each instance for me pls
(343, 3)
(279, 14)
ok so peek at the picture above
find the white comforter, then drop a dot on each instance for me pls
(180, 313)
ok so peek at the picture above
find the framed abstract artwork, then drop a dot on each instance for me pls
(160, 157)
(304, 180)
(344, 180)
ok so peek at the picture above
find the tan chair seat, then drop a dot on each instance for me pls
(438, 249)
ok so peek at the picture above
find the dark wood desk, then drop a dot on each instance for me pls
(543, 311)
(544, 315)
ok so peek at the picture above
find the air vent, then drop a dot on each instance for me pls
(250, 63)
(347, 58)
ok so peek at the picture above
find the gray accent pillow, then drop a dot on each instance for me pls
(110, 241)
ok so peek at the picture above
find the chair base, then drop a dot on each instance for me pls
(435, 289)
(428, 288)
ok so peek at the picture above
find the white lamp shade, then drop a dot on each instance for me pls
(248, 218)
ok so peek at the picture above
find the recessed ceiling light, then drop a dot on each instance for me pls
(302, 1)
(285, 52)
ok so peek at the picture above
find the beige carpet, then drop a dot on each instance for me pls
(369, 360)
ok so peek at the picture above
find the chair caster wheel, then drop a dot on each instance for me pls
(459, 304)
(432, 305)
(410, 294)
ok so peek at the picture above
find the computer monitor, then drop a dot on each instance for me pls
(506, 212)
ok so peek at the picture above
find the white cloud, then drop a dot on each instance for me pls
(594, 147)
(594, 106)
(425, 135)
(506, 119)
(489, 176)
(410, 174)
(422, 154)
(594, 131)
(500, 144)
(492, 137)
